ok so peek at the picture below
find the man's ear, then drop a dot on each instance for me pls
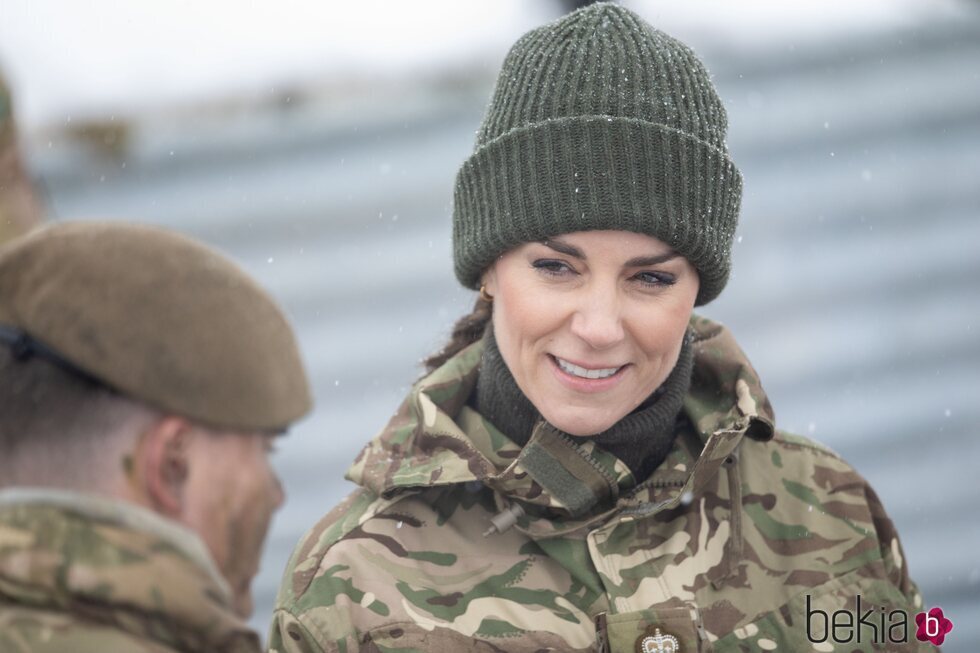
(164, 464)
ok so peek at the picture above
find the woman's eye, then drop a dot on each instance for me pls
(552, 266)
(657, 279)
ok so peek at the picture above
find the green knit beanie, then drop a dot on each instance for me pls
(600, 121)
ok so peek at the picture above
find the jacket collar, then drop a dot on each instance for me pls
(127, 566)
(436, 439)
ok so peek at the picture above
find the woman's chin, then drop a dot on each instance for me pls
(583, 426)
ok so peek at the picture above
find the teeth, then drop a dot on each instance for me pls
(575, 370)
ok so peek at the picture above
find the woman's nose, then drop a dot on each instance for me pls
(598, 320)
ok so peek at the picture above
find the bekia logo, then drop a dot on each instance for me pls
(875, 625)
(932, 626)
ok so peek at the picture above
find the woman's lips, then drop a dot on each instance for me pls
(577, 377)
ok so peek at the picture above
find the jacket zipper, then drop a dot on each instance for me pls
(647, 508)
(607, 477)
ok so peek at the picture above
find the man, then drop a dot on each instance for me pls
(143, 381)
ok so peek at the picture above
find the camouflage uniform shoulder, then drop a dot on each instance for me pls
(792, 441)
(321, 605)
(352, 512)
(792, 451)
(31, 630)
(88, 573)
(810, 468)
(802, 462)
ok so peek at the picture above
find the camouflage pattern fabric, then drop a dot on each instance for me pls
(459, 540)
(81, 574)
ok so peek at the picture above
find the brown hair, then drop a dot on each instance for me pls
(467, 330)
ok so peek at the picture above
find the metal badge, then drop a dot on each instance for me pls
(657, 642)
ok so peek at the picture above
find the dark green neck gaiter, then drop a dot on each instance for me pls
(641, 439)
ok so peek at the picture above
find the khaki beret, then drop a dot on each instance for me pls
(158, 317)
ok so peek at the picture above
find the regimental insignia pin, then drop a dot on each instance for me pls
(657, 642)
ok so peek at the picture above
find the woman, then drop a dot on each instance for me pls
(588, 466)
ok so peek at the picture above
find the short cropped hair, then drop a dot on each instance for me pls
(58, 427)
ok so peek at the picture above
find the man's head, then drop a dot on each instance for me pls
(139, 364)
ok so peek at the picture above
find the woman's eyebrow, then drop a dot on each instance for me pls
(635, 262)
(564, 248)
(642, 261)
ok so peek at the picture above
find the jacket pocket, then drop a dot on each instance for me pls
(673, 629)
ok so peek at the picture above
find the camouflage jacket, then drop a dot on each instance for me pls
(81, 574)
(460, 540)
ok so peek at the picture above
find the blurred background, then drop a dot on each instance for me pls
(317, 144)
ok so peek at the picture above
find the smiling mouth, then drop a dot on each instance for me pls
(585, 373)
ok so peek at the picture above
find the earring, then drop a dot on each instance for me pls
(484, 295)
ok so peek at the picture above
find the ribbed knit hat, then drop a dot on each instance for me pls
(600, 121)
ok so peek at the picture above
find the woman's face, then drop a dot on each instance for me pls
(591, 323)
